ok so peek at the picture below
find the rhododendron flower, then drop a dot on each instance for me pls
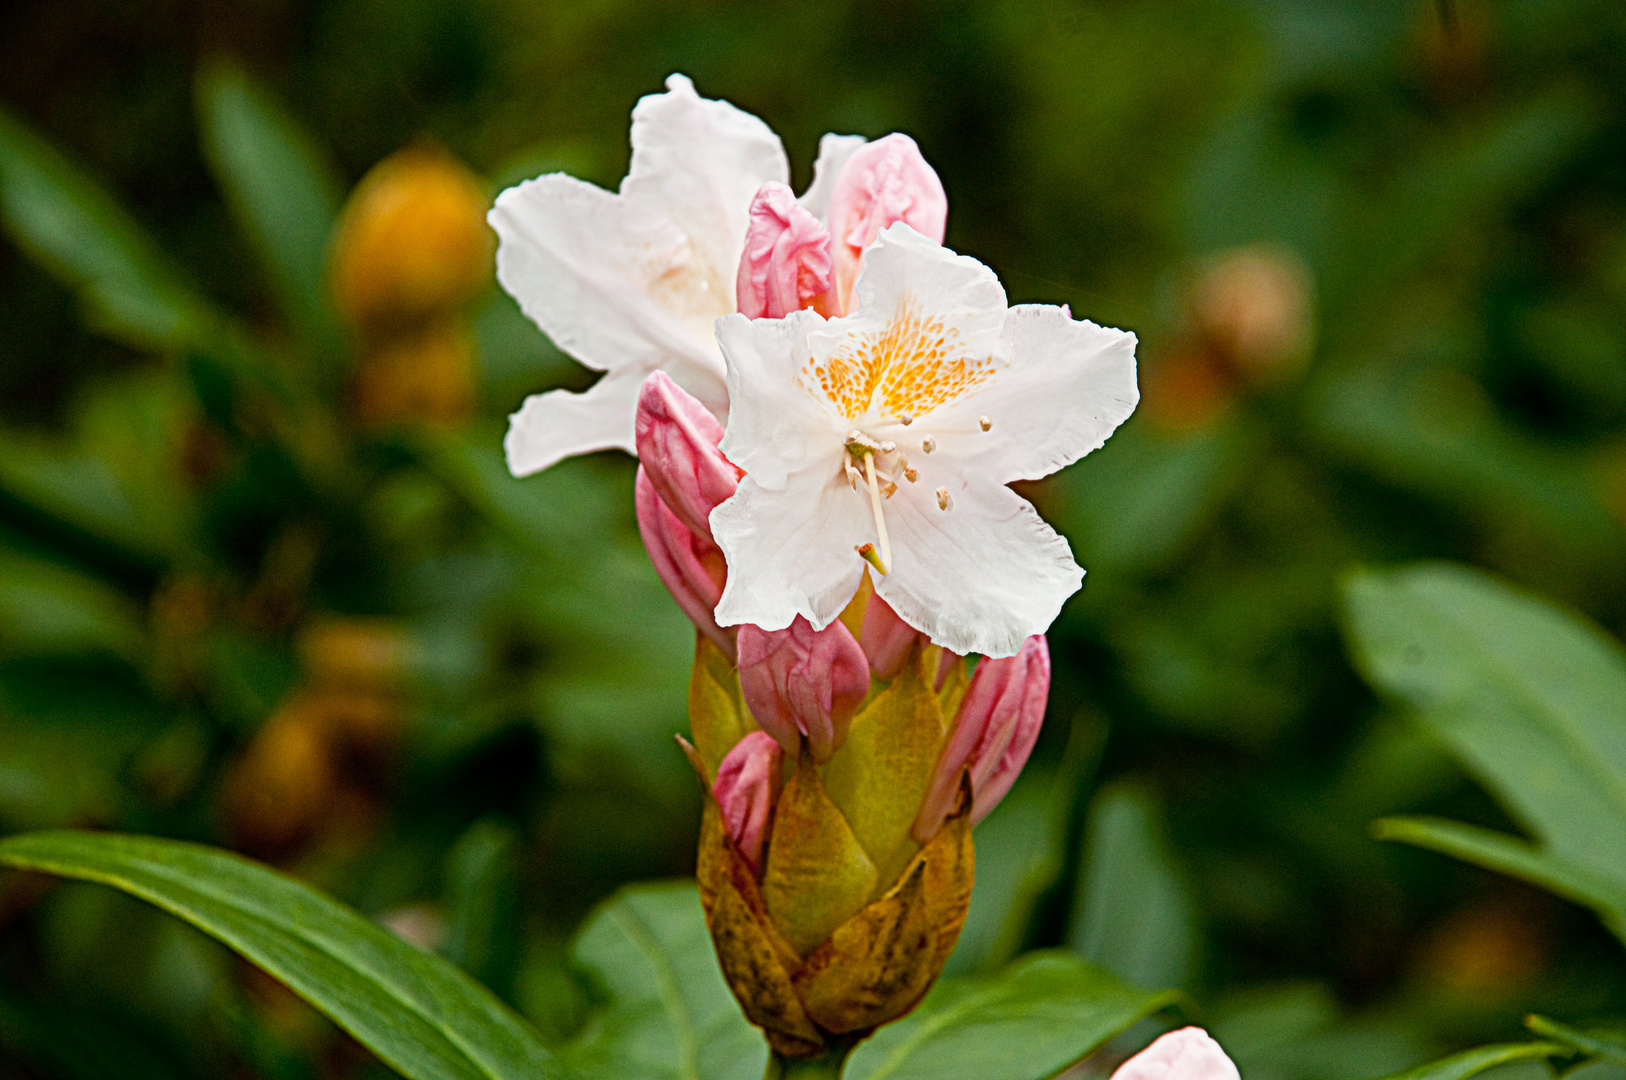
(631, 282)
(887, 436)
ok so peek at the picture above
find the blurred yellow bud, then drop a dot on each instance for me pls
(321, 761)
(1252, 307)
(425, 375)
(412, 241)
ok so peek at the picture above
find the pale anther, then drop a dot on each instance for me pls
(984, 423)
(943, 500)
(928, 444)
(906, 419)
(888, 446)
(910, 475)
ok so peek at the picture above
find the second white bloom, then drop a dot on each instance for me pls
(890, 434)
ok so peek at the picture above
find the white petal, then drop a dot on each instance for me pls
(699, 163)
(980, 577)
(934, 309)
(791, 552)
(834, 150)
(1065, 387)
(776, 426)
(558, 424)
(592, 270)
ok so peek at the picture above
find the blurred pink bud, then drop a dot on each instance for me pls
(803, 681)
(677, 445)
(691, 566)
(745, 791)
(786, 265)
(1187, 1054)
(883, 182)
(995, 730)
(886, 638)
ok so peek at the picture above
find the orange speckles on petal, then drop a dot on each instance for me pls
(910, 368)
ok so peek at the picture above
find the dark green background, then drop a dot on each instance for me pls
(1453, 176)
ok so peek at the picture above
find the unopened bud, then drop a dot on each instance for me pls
(883, 182)
(677, 441)
(886, 638)
(803, 682)
(1186, 1054)
(1253, 308)
(997, 725)
(747, 781)
(691, 567)
(786, 263)
(412, 240)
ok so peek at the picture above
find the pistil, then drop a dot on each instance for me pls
(880, 521)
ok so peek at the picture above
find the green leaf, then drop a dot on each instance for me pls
(417, 1012)
(279, 187)
(1470, 1062)
(1530, 698)
(47, 609)
(1132, 913)
(1031, 1021)
(670, 1015)
(1516, 858)
(1599, 1042)
(79, 233)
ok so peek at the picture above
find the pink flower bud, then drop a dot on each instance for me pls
(883, 182)
(995, 730)
(677, 445)
(691, 566)
(799, 681)
(744, 790)
(886, 638)
(786, 264)
(1187, 1054)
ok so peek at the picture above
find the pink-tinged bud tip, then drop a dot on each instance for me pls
(677, 445)
(883, 182)
(1187, 1054)
(800, 681)
(994, 733)
(886, 638)
(691, 566)
(745, 791)
(786, 264)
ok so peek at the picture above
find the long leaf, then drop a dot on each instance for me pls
(278, 185)
(79, 233)
(415, 1011)
(1530, 698)
(1469, 1062)
(1515, 857)
(1031, 1021)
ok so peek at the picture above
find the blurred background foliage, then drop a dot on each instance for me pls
(265, 583)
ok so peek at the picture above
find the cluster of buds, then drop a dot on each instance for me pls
(845, 768)
(410, 250)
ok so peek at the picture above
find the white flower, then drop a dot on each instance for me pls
(630, 282)
(890, 434)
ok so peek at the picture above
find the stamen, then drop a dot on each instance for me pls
(853, 475)
(910, 475)
(888, 446)
(928, 444)
(943, 500)
(880, 522)
(906, 419)
(984, 423)
(867, 553)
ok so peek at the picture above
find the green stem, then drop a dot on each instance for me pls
(826, 1066)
